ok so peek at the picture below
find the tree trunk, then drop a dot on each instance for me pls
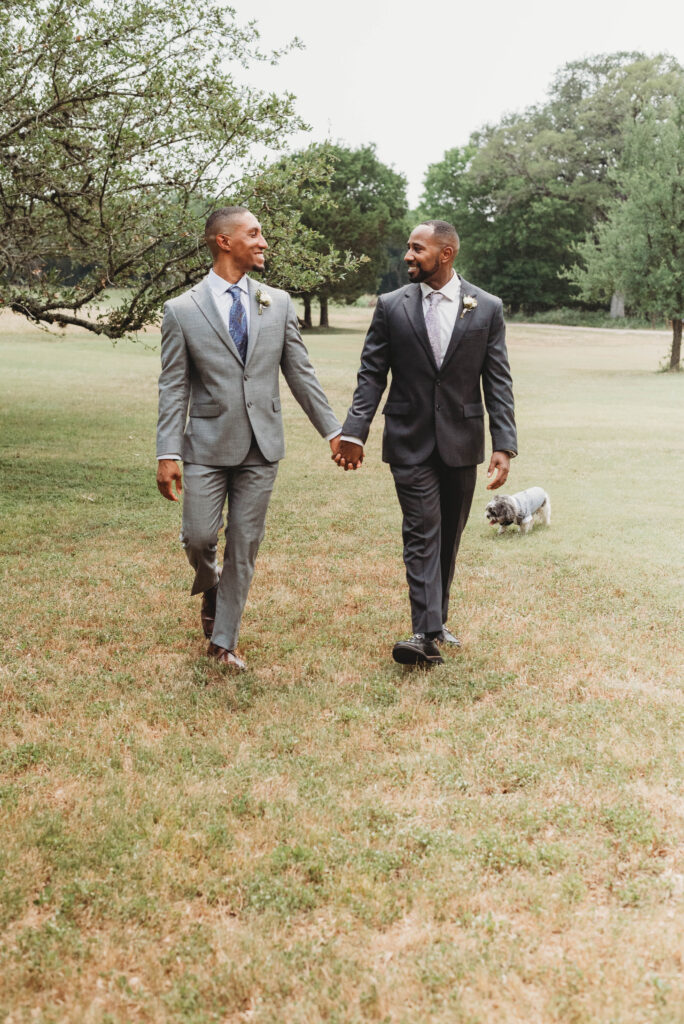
(307, 311)
(323, 299)
(676, 353)
(617, 305)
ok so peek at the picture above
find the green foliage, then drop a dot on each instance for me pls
(121, 126)
(638, 249)
(524, 190)
(363, 212)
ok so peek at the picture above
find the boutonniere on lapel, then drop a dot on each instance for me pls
(469, 302)
(264, 300)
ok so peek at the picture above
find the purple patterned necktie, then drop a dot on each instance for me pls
(237, 323)
(432, 324)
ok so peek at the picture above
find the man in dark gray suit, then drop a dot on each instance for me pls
(444, 342)
(223, 344)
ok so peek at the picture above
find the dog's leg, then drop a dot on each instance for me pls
(526, 527)
(502, 529)
(547, 511)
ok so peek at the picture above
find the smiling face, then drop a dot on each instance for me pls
(243, 243)
(428, 258)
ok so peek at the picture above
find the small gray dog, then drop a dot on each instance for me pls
(523, 509)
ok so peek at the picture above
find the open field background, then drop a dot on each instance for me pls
(328, 838)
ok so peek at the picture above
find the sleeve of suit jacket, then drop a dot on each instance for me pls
(302, 380)
(372, 378)
(174, 386)
(498, 387)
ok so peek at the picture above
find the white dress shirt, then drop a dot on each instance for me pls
(447, 308)
(222, 297)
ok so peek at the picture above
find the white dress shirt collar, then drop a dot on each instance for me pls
(219, 284)
(451, 290)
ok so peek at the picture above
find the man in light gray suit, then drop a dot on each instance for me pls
(223, 344)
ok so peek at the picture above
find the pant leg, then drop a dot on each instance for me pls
(457, 486)
(418, 490)
(249, 492)
(204, 495)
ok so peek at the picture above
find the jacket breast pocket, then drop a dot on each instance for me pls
(397, 409)
(205, 410)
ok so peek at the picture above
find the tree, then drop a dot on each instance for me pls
(121, 126)
(639, 248)
(363, 213)
(524, 190)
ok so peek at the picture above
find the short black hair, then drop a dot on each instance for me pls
(220, 222)
(445, 232)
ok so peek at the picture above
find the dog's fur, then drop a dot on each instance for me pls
(508, 510)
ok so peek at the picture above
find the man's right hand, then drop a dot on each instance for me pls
(169, 472)
(349, 455)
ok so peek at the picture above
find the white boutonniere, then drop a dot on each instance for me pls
(264, 300)
(469, 302)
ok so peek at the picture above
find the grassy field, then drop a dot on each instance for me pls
(328, 837)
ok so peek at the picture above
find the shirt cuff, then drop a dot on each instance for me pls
(176, 458)
(335, 433)
(354, 440)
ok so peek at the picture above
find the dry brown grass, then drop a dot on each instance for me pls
(328, 838)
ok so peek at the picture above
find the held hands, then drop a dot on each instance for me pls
(497, 473)
(168, 473)
(346, 454)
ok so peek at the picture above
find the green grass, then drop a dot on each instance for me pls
(572, 317)
(329, 838)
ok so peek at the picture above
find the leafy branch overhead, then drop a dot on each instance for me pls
(120, 127)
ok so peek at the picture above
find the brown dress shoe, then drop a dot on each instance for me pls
(224, 657)
(208, 612)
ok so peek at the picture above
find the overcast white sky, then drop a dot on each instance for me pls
(418, 78)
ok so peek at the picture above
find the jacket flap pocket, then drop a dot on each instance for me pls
(205, 409)
(276, 405)
(397, 408)
(476, 409)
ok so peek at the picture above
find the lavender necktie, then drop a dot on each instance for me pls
(433, 328)
(237, 323)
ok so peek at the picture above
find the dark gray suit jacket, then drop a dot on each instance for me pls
(429, 407)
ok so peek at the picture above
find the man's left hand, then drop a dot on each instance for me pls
(348, 455)
(497, 473)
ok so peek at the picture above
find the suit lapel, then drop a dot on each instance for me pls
(413, 304)
(204, 300)
(254, 318)
(460, 326)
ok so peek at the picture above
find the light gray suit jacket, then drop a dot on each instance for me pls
(210, 404)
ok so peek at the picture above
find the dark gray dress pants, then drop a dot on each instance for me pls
(435, 501)
(248, 489)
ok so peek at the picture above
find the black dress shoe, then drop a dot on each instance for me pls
(417, 650)
(448, 638)
(208, 612)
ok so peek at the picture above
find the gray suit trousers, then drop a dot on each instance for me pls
(248, 489)
(435, 500)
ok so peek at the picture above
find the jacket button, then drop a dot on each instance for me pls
(437, 383)
(437, 406)
(249, 405)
